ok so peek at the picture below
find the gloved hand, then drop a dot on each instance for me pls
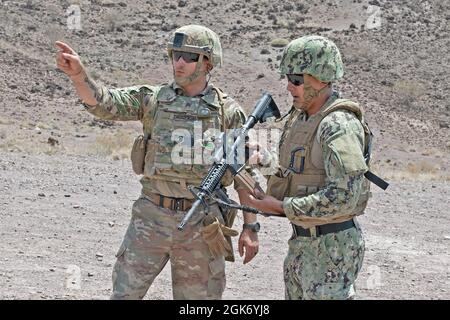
(214, 235)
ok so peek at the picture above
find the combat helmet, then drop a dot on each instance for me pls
(313, 55)
(197, 39)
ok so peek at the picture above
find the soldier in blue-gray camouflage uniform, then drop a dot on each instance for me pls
(171, 114)
(320, 184)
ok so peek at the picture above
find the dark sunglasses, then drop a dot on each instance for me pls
(295, 79)
(188, 57)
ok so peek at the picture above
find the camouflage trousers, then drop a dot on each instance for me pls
(151, 240)
(323, 267)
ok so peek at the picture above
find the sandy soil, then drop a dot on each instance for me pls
(66, 182)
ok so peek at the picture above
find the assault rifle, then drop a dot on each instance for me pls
(227, 159)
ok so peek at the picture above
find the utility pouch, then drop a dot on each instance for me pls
(229, 214)
(138, 153)
(217, 236)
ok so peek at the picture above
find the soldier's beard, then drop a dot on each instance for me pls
(309, 94)
(183, 81)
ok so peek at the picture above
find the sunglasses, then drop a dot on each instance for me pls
(188, 57)
(295, 79)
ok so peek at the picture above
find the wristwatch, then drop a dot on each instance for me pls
(254, 226)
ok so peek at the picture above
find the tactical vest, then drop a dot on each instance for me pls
(300, 151)
(184, 114)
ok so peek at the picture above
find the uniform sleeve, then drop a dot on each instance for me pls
(122, 104)
(234, 114)
(235, 118)
(341, 137)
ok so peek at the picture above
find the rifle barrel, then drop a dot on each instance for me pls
(189, 214)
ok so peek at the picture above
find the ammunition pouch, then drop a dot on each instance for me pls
(277, 185)
(138, 152)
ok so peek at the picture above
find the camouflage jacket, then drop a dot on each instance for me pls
(343, 187)
(133, 103)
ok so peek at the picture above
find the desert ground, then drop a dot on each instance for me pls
(66, 181)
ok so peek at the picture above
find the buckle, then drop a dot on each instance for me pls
(293, 163)
(313, 232)
(177, 204)
(302, 232)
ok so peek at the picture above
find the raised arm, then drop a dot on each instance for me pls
(110, 104)
(69, 62)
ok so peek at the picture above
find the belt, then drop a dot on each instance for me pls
(323, 229)
(178, 204)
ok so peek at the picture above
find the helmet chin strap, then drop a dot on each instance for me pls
(182, 81)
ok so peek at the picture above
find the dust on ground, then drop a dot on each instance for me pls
(66, 181)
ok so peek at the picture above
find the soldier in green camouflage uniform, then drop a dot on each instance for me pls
(320, 184)
(171, 114)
